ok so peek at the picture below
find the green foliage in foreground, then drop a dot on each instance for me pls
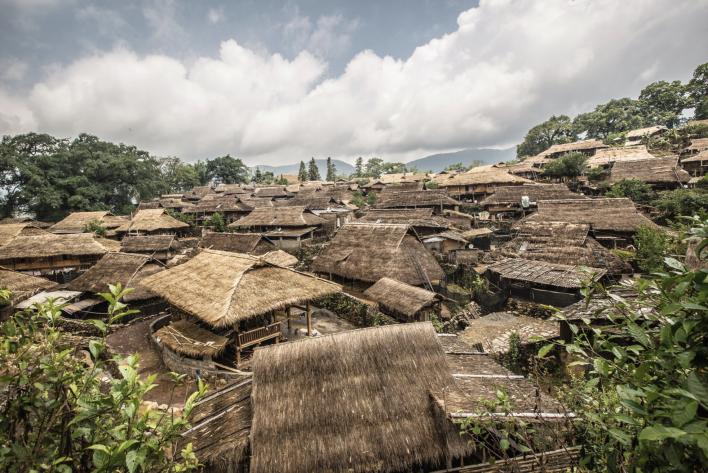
(62, 411)
(651, 244)
(638, 191)
(643, 405)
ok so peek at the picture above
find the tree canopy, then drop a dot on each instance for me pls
(555, 130)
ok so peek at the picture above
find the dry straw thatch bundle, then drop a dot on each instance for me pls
(278, 217)
(23, 285)
(357, 401)
(54, 245)
(400, 297)
(657, 170)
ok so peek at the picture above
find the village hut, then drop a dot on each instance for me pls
(159, 247)
(542, 282)
(23, 285)
(493, 332)
(197, 193)
(403, 301)
(421, 220)
(367, 252)
(287, 227)
(479, 238)
(280, 258)
(436, 199)
(636, 136)
(10, 231)
(612, 221)
(696, 146)
(530, 168)
(272, 192)
(153, 222)
(403, 177)
(660, 172)
(76, 222)
(460, 220)
(234, 295)
(515, 201)
(478, 182)
(605, 158)
(588, 147)
(445, 243)
(174, 202)
(696, 165)
(26, 220)
(256, 203)
(124, 268)
(561, 243)
(228, 205)
(250, 243)
(54, 255)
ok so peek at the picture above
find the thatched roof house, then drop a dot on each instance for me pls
(697, 164)
(588, 147)
(152, 221)
(509, 198)
(221, 288)
(187, 338)
(422, 219)
(635, 136)
(272, 192)
(126, 269)
(368, 252)
(372, 403)
(395, 178)
(280, 258)
(229, 206)
(396, 297)
(275, 217)
(561, 243)
(197, 193)
(76, 222)
(697, 145)
(478, 182)
(23, 285)
(493, 331)
(435, 199)
(606, 216)
(530, 167)
(10, 231)
(663, 171)
(606, 157)
(53, 252)
(160, 247)
(250, 243)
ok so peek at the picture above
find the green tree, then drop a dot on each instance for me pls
(331, 170)
(257, 176)
(227, 170)
(95, 227)
(374, 167)
(313, 172)
(281, 180)
(651, 245)
(393, 168)
(556, 130)
(302, 174)
(63, 411)
(178, 176)
(616, 116)
(216, 222)
(570, 165)
(697, 89)
(662, 102)
(678, 202)
(200, 167)
(455, 167)
(639, 191)
(359, 167)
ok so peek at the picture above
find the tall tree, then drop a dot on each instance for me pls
(569, 165)
(359, 167)
(302, 175)
(178, 176)
(258, 176)
(697, 89)
(313, 173)
(555, 130)
(331, 170)
(662, 102)
(374, 167)
(615, 116)
(227, 170)
(393, 168)
(200, 167)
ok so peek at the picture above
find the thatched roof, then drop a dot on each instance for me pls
(251, 243)
(197, 193)
(657, 170)
(642, 132)
(127, 269)
(311, 201)
(53, 245)
(26, 220)
(222, 288)
(234, 189)
(254, 203)
(561, 243)
(481, 175)
(278, 217)
(357, 401)
(607, 156)
(513, 194)
(369, 252)
(400, 297)
(9, 231)
(76, 222)
(698, 144)
(152, 220)
(548, 274)
(394, 178)
(422, 198)
(23, 285)
(450, 235)
(271, 191)
(528, 165)
(280, 258)
(147, 243)
(702, 156)
(187, 338)
(421, 217)
(213, 203)
(493, 331)
(582, 145)
(607, 214)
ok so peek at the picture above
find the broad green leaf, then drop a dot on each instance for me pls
(543, 351)
(659, 432)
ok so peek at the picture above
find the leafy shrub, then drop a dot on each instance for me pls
(634, 189)
(95, 227)
(651, 245)
(216, 222)
(569, 165)
(682, 202)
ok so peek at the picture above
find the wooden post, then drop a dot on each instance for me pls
(309, 319)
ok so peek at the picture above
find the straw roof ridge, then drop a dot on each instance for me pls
(414, 198)
(23, 285)
(133, 243)
(701, 156)
(295, 216)
(150, 220)
(52, 245)
(372, 403)
(400, 297)
(9, 231)
(541, 272)
(482, 175)
(574, 146)
(656, 170)
(642, 132)
(607, 156)
(234, 242)
(535, 192)
(603, 214)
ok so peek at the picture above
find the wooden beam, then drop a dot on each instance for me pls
(309, 319)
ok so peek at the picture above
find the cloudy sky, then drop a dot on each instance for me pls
(275, 82)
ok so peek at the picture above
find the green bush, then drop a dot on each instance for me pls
(680, 202)
(634, 189)
(216, 222)
(651, 245)
(95, 227)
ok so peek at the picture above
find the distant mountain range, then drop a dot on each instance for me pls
(434, 162)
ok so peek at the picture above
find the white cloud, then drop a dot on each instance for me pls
(12, 69)
(327, 37)
(508, 65)
(215, 15)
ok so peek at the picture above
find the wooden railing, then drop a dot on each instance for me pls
(256, 336)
